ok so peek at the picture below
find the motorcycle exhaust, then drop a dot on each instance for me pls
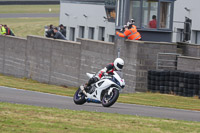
(89, 100)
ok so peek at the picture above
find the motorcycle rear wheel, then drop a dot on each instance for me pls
(79, 97)
(109, 100)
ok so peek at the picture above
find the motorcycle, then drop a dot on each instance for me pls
(105, 91)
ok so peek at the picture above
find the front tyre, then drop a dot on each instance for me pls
(109, 100)
(79, 97)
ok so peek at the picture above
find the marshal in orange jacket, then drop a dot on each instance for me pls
(132, 33)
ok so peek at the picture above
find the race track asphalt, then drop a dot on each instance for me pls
(19, 96)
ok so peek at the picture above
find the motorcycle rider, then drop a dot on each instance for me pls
(117, 65)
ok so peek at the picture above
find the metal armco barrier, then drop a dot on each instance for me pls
(167, 61)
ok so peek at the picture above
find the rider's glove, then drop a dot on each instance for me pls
(104, 74)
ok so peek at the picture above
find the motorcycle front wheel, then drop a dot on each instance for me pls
(79, 97)
(109, 100)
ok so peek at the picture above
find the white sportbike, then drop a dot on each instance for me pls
(105, 91)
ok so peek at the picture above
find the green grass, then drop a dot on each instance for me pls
(28, 84)
(17, 118)
(22, 27)
(29, 8)
(162, 100)
(153, 99)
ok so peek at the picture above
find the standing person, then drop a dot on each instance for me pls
(153, 22)
(62, 29)
(2, 30)
(58, 34)
(50, 32)
(8, 31)
(130, 32)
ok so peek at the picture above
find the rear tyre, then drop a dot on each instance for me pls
(109, 100)
(79, 97)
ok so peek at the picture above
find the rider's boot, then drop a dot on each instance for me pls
(88, 86)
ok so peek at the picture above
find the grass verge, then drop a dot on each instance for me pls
(31, 119)
(152, 99)
(29, 9)
(22, 27)
(161, 100)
